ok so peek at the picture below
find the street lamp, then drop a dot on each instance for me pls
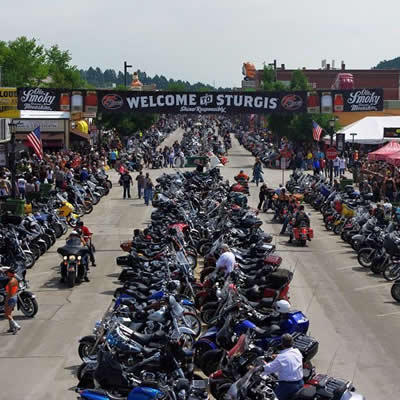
(12, 127)
(126, 66)
(332, 122)
(99, 118)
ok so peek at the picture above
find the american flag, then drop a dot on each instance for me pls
(316, 131)
(35, 141)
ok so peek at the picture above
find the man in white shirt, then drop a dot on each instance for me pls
(226, 260)
(342, 165)
(288, 365)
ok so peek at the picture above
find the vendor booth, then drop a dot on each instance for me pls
(372, 130)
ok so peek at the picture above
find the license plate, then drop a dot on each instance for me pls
(71, 269)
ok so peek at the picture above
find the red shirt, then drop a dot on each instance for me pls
(85, 231)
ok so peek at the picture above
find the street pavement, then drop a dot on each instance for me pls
(351, 312)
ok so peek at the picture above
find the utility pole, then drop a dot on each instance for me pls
(126, 66)
(12, 127)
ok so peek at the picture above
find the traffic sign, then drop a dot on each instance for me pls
(331, 153)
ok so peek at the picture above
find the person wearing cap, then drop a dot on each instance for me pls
(226, 260)
(11, 300)
(288, 365)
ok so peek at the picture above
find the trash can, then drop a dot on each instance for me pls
(45, 189)
(32, 196)
(344, 182)
(15, 206)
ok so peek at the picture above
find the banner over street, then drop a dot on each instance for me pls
(218, 102)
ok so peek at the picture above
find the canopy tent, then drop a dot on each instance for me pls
(385, 152)
(394, 159)
(370, 130)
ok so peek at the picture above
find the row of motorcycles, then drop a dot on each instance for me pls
(371, 230)
(133, 156)
(24, 239)
(178, 328)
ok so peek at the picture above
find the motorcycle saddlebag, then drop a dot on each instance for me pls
(279, 278)
(307, 345)
(109, 372)
(273, 260)
(124, 260)
(311, 233)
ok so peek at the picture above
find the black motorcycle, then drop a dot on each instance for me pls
(26, 300)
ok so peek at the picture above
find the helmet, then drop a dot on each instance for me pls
(282, 306)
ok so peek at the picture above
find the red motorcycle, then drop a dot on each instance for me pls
(302, 233)
(242, 185)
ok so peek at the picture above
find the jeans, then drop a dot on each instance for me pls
(285, 224)
(127, 191)
(139, 190)
(286, 390)
(336, 171)
(148, 196)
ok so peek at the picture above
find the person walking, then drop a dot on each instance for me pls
(11, 300)
(257, 172)
(148, 190)
(336, 165)
(140, 179)
(171, 158)
(342, 165)
(316, 166)
(113, 158)
(21, 183)
(288, 365)
(262, 195)
(126, 181)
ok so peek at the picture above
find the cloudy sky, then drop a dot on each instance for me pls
(208, 40)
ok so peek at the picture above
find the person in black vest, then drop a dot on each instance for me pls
(126, 181)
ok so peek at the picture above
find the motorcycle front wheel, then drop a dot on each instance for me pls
(392, 272)
(395, 291)
(29, 259)
(29, 306)
(365, 257)
(86, 347)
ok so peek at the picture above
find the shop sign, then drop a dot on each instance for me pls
(391, 133)
(48, 125)
(8, 97)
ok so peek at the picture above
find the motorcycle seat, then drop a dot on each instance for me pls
(135, 294)
(306, 393)
(248, 267)
(142, 338)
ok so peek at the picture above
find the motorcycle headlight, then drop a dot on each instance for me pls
(79, 258)
(65, 258)
(72, 258)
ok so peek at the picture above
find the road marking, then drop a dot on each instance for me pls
(371, 286)
(391, 313)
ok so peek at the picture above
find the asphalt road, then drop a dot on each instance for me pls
(351, 312)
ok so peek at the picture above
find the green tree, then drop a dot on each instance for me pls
(62, 74)
(176, 86)
(127, 124)
(23, 62)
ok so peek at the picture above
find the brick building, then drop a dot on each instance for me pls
(388, 79)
